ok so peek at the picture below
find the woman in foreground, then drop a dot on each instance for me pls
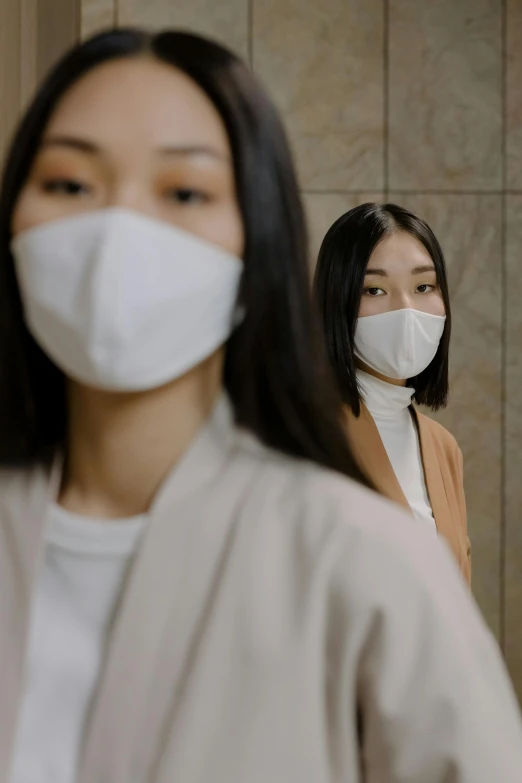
(195, 585)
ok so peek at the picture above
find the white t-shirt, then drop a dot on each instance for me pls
(84, 565)
(389, 407)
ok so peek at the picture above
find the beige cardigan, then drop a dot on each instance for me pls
(442, 462)
(280, 625)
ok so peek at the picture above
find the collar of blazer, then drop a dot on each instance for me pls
(372, 456)
(192, 504)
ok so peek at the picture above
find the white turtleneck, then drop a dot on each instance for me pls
(389, 407)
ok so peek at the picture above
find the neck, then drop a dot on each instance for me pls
(394, 381)
(382, 399)
(122, 446)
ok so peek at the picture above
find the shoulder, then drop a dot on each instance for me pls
(324, 537)
(313, 487)
(312, 503)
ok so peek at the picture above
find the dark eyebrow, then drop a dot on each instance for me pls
(419, 270)
(83, 145)
(194, 150)
(72, 142)
(378, 272)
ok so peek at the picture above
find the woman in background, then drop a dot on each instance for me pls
(382, 289)
(195, 584)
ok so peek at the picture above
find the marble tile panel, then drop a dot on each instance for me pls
(445, 95)
(324, 64)
(58, 29)
(97, 15)
(10, 71)
(513, 455)
(514, 95)
(323, 209)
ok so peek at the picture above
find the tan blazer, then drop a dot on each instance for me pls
(442, 460)
(271, 605)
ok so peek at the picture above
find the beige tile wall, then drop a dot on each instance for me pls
(329, 86)
(513, 424)
(10, 69)
(514, 95)
(322, 209)
(413, 100)
(445, 119)
(58, 27)
(33, 34)
(97, 15)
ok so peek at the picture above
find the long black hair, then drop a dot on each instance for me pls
(339, 282)
(276, 371)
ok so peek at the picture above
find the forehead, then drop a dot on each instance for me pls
(400, 252)
(139, 101)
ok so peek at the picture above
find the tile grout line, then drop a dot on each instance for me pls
(503, 331)
(386, 99)
(412, 192)
(250, 32)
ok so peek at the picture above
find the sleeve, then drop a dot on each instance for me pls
(434, 699)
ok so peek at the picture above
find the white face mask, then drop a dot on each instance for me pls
(399, 344)
(123, 302)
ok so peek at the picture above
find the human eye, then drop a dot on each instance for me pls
(374, 291)
(188, 196)
(425, 288)
(65, 186)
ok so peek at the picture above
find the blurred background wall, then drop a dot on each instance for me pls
(414, 101)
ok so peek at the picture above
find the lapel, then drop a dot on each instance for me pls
(437, 482)
(374, 460)
(169, 588)
(24, 496)
(371, 454)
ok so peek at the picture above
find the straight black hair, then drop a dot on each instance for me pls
(276, 371)
(339, 282)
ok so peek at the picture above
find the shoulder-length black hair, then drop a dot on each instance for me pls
(339, 283)
(276, 371)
